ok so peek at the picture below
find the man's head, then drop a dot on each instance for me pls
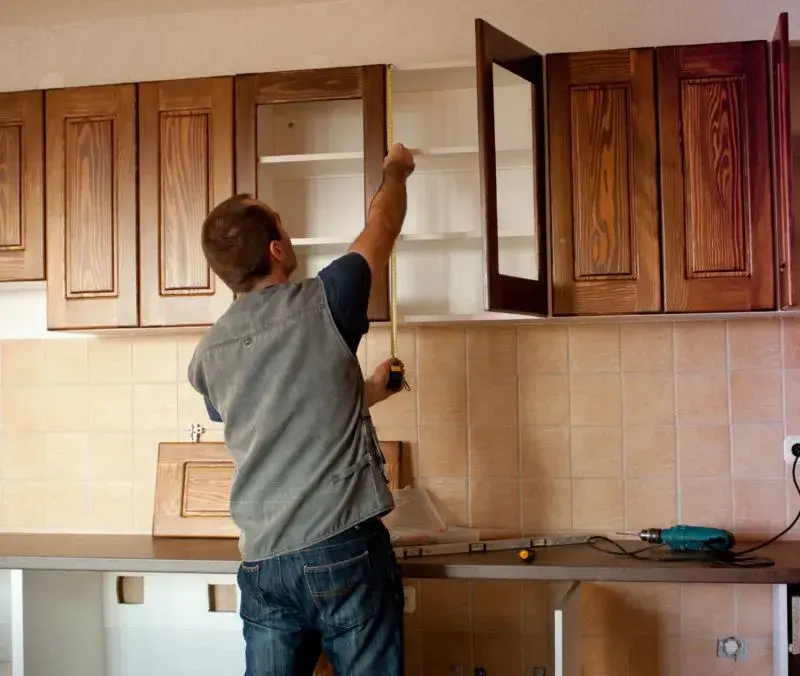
(245, 244)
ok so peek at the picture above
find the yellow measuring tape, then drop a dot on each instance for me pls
(393, 257)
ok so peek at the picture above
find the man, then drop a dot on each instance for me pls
(280, 369)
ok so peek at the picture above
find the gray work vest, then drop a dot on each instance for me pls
(291, 393)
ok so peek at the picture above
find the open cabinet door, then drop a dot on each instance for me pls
(510, 80)
(788, 263)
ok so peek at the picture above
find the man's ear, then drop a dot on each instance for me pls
(276, 249)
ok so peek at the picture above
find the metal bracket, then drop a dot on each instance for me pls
(196, 430)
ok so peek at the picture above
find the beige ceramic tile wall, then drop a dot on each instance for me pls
(514, 430)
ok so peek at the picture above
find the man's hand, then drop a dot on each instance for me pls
(375, 386)
(399, 162)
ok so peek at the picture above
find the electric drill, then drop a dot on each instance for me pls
(690, 538)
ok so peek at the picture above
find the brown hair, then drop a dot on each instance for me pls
(235, 238)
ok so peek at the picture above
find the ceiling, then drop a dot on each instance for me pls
(53, 12)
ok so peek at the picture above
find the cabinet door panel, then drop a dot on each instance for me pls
(526, 292)
(603, 172)
(715, 178)
(91, 207)
(367, 83)
(185, 169)
(788, 255)
(21, 186)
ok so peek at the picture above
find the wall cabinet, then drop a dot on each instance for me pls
(716, 193)
(713, 228)
(604, 183)
(91, 207)
(185, 169)
(311, 145)
(665, 180)
(475, 238)
(21, 187)
(115, 260)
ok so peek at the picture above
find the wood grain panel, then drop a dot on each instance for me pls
(186, 168)
(714, 182)
(788, 254)
(193, 485)
(192, 493)
(602, 132)
(21, 186)
(11, 228)
(367, 83)
(91, 249)
(207, 488)
(90, 162)
(715, 178)
(601, 120)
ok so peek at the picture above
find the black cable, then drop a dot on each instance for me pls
(709, 554)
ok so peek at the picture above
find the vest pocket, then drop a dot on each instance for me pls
(369, 439)
(342, 591)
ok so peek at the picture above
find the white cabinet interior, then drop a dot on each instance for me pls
(5, 623)
(311, 172)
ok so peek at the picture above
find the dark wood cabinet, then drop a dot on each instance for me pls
(788, 254)
(185, 168)
(604, 183)
(716, 178)
(359, 83)
(90, 163)
(21, 186)
(661, 201)
(506, 292)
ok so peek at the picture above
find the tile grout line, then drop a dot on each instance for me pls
(731, 458)
(517, 330)
(623, 463)
(675, 441)
(568, 330)
(788, 485)
(678, 482)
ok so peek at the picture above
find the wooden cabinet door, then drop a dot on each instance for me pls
(185, 169)
(788, 255)
(504, 292)
(604, 178)
(715, 178)
(367, 83)
(90, 164)
(21, 186)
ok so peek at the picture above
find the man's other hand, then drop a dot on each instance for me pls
(375, 386)
(399, 162)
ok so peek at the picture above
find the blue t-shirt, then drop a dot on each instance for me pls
(347, 282)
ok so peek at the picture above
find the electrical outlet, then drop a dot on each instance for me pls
(788, 442)
(409, 600)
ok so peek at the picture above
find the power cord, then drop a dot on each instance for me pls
(709, 554)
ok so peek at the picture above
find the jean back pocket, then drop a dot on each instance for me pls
(343, 591)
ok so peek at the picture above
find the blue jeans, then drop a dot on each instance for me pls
(343, 597)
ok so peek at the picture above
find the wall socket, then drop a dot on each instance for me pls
(788, 442)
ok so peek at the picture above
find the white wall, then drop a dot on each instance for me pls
(23, 312)
(356, 31)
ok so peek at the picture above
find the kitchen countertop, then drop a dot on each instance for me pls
(142, 553)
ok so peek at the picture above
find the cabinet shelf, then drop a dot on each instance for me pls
(405, 240)
(433, 159)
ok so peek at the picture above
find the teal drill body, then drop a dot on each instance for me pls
(690, 538)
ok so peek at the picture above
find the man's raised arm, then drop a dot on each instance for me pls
(386, 212)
